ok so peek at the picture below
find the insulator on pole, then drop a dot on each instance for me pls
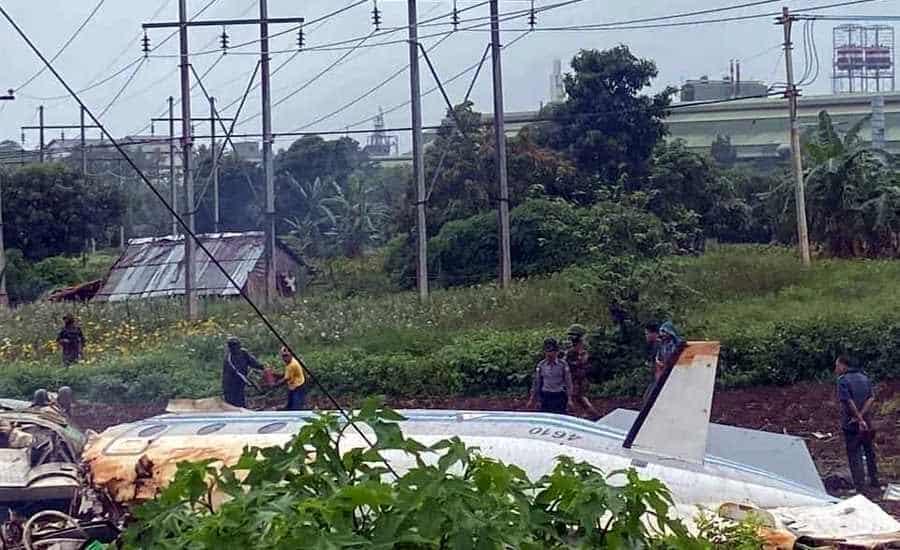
(532, 16)
(301, 38)
(223, 38)
(145, 45)
(376, 15)
(455, 17)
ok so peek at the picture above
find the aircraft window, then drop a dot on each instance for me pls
(152, 430)
(272, 428)
(211, 428)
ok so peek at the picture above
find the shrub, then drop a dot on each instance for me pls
(308, 494)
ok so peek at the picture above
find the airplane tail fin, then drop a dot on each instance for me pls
(674, 421)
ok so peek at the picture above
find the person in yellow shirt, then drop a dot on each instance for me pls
(295, 380)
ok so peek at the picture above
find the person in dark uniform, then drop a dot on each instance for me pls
(552, 381)
(235, 370)
(857, 398)
(71, 341)
(579, 361)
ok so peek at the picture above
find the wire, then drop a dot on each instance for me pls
(369, 92)
(132, 63)
(130, 44)
(65, 45)
(121, 90)
(309, 82)
(626, 27)
(191, 234)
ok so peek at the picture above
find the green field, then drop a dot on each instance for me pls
(778, 323)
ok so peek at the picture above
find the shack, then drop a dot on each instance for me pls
(154, 267)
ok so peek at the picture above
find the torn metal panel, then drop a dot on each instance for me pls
(855, 517)
(784, 455)
(892, 492)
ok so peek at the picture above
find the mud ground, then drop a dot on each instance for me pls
(807, 410)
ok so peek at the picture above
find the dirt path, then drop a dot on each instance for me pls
(801, 410)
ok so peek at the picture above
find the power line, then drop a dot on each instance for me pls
(125, 68)
(65, 45)
(623, 26)
(121, 90)
(188, 233)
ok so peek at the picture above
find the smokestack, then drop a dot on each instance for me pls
(737, 78)
(731, 77)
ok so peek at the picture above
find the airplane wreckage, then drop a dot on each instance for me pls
(63, 489)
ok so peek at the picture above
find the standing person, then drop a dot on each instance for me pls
(295, 380)
(579, 361)
(552, 381)
(71, 341)
(857, 399)
(651, 336)
(235, 369)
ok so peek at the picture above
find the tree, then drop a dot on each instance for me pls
(359, 216)
(48, 210)
(604, 125)
(852, 196)
(312, 157)
(241, 194)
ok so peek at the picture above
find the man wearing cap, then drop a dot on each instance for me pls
(235, 369)
(552, 381)
(579, 361)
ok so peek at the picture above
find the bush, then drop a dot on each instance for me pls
(545, 236)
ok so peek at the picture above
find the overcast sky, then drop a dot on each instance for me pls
(111, 41)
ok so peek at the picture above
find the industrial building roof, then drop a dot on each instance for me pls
(154, 267)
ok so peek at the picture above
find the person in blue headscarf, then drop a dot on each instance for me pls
(669, 349)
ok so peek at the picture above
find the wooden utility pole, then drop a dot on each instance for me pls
(4, 299)
(190, 247)
(500, 143)
(215, 164)
(418, 156)
(83, 147)
(267, 160)
(41, 128)
(792, 94)
(173, 195)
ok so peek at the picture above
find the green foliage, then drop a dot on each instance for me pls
(545, 236)
(26, 281)
(50, 210)
(604, 125)
(778, 323)
(309, 494)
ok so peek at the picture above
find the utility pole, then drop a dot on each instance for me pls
(173, 196)
(418, 157)
(190, 292)
(792, 93)
(263, 21)
(83, 147)
(500, 139)
(41, 127)
(268, 166)
(4, 299)
(215, 164)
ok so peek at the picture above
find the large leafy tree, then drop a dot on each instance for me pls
(49, 209)
(606, 125)
(241, 194)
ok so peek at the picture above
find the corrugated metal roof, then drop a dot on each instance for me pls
(154, 267)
